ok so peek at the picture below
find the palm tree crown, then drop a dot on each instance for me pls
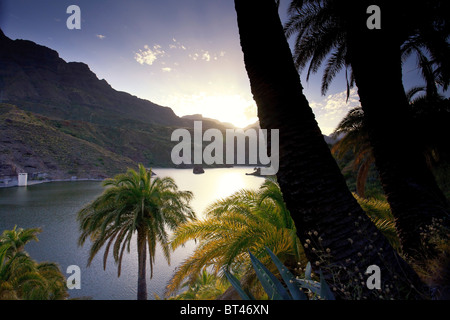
(15, 240)
(321, 35)
(23, 278)
(321, 28)
(247, 220)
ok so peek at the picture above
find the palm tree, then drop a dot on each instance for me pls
(355, 139)
(16, 239)
(428, 39)
(380, 213)
(336, 31)
(23, 278)
(321, 35)
(430, 112)
(135, 203)
(206, 286)
(246, 220)
(313, 187)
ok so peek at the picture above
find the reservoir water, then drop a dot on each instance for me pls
(54, 206)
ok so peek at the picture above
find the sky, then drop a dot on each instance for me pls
(184, 54)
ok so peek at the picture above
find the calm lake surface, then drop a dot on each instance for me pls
(54, 206)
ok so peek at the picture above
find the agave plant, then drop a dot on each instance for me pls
(275, 290)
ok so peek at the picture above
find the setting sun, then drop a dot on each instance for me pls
(234, 109)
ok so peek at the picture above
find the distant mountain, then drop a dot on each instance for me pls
(38, 80)
(59, 118)
(199, 117)
(330, 140)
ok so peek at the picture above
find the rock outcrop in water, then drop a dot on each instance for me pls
(198, 169)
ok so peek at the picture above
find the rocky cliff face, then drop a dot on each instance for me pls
(35, 78)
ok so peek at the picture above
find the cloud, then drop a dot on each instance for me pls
(176, 45)
(100, 36)
(337, 105)
(149, 55)
(205, 55)
(171, 53)
(330, 111)
(251, 111)
(194, 56)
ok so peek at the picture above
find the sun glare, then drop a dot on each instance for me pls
(234, 109)
(228, 184)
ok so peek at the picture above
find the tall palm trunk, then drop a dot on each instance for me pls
(142, 259)
(410, 187)
(327, 217)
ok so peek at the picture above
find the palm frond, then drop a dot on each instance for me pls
(248, 219)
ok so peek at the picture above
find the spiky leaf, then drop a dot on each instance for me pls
(308, 271)
(325, 291)
(237, 286)
(270, 283)
(288, 278)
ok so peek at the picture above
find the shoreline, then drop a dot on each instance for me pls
(35, 182)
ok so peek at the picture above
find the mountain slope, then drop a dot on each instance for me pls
(29, 143)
